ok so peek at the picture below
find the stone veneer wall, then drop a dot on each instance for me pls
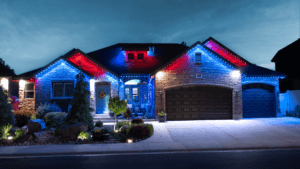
(59, 71)
(213, 71)
(274, 81)
(26, 105)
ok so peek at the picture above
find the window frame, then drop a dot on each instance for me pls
(27, 91)
(64, 89)
(200, 56)
(129, 58)
(140, 54)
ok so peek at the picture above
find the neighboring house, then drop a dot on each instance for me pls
(286, 61)
(203, 81)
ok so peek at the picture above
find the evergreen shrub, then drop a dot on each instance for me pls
(137, 121)
(45, 108)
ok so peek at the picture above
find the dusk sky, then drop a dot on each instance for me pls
(34, 32)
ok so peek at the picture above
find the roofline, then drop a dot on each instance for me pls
(211, 38)
(99, 64)
(185, 51)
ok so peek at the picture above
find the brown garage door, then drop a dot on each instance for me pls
(198, 103)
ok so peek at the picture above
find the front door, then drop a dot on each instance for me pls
(102, 97)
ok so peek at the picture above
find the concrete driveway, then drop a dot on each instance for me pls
(226, 134)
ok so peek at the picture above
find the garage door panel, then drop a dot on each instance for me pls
(199, 102)
(258, 102)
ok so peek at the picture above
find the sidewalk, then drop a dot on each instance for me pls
(270, 133)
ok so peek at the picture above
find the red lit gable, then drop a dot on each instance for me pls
(87, 65)
(225, 53)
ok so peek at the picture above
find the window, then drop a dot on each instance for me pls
(63, 89)
(29, 90)
(127, 93)
(198, 57)
(140, 56)
(130, 55)
(135, 94)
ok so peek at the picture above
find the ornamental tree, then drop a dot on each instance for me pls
(80, 110)
(6, 114)
(117, 106)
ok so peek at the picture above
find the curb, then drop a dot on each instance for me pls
(24, 155)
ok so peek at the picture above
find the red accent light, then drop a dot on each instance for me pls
(140, 64)
(87, 65)
(15, 80)
(224, 53)
(31, 79)
(178, 66)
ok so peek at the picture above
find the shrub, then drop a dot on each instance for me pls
(133, 125)
(84, 135)
(119, 136)
(4, 130)
(22, 119)
(81, 110)
(149, 130)
(137, 121)
(58, 117)
(102, 131)
(19, 133)
(99, 124)
(122, 123)
(127, 114)
(42, 109)
(137, 132)
(6, 114)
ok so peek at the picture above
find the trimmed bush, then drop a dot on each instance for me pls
(84, 135)
(19, 133)
(149, 130)
(137, 121)
(137, 132)
(119, 136)
(127, 114)
(133, 125)
(99, 124)
(21, 119)
(42, 109)
(102, 131)
(122, 123)
(4, 130)
(59, 117)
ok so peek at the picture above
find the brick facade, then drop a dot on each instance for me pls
(214, 72)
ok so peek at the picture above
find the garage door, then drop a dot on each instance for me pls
(198, 103)
(258, 101)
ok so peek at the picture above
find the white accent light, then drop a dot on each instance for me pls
(10, 137)
(22, 84)
(160, 74)
(235, 73)
(129, 140)
(4, 83)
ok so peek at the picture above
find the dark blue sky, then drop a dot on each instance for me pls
(34, 33)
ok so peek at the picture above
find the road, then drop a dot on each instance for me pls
(240, 159)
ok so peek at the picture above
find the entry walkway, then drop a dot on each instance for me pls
(260, 133)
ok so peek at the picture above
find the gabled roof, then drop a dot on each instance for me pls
(186, 50)
(113, 58)
(220, 44)
(30, 74)
(251, 70)
(291, 51)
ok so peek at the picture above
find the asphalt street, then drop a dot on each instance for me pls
(274, 158)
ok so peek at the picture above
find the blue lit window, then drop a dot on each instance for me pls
(63, 89)
(135, 94)
(127, 93)
(197, 57)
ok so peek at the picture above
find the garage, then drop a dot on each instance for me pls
(258, 100)
(198, 103)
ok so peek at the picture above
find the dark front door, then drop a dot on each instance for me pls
(198, 103)
(258, 101)
(102, 97)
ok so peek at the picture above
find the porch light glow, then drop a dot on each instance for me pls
(129, 140)
(235, 73)
(160, 74)
(22, 84)
(4, 83)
